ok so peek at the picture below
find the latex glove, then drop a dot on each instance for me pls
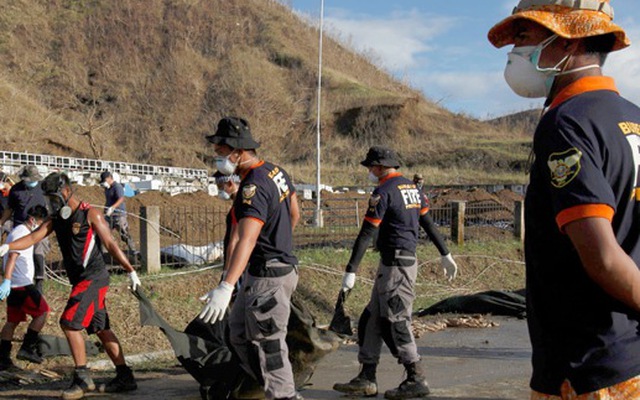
(348, 281)
(217, 300)
(5, 289)
(109, 211)
(134, 281)
(4, 249)
(449, 267)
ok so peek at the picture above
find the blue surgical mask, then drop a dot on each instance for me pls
(373, 178)
(225, 166)
(32, 184)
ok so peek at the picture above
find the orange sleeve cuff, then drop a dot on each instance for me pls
(424, 211)
(373, 221)
(584, 211)
(256, 219)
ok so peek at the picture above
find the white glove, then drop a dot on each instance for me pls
(348, 281)
(134, 280)
(449, 267)
(109, 211)
(217, 300)
(4, 249)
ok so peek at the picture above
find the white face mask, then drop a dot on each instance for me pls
(105, 185)
(33, 225)
(373, 178)
(525, 77)
(224, 195)
(225, 166)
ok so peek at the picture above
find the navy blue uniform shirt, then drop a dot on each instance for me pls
(113, 194)
(265, 195)
(396, 205)
(587, 150)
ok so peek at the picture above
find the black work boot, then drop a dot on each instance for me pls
(5, 355)
(363, 385)
(29, 350)
(414, 386)
(80, 384)
(123, 382)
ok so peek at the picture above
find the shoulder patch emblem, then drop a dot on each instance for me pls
(75, 228)
(249, 191)
(564, 166)
(374, 200)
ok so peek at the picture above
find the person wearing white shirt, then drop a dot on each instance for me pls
(23, 297)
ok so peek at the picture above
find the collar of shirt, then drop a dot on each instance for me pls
(389, 176)
(254, 166)
(583, 85)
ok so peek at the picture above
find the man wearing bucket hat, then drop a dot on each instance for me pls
(582, 246)
(397, 208)
(266, 212)
(26, 194)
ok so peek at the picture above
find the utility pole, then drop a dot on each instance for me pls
(318, 213)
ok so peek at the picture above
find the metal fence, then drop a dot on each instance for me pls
(193, 235)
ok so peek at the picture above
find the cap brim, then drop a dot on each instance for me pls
(383, 163)
(569, 25)
(236, 143)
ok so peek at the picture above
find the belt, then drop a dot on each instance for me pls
(271, 269)
(398, 258)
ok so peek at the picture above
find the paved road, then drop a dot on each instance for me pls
(462, 363)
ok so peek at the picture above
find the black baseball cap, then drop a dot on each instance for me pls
(378, 155)
(235, 133)
(104, 175)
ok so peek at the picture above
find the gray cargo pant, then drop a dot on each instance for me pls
(258, 328)
(119, 222)
(388, 316)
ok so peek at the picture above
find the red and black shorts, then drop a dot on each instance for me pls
(86, 308)
(23, 301)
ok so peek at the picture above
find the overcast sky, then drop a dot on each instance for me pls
(441, 47)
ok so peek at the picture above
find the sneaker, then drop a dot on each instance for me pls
(29, 353)
(409, 389)
(81, 384)
(121, 383)
(358, 386)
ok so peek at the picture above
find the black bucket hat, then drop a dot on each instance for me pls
(234, 132)
(383, 156)
(30, 173)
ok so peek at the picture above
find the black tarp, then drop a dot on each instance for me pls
(202, 351)
(495, 302)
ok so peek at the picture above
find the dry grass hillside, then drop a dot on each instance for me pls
(142, 81)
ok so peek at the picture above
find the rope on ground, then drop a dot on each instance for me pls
(51, 274)
(329, 270)
(172, 274)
